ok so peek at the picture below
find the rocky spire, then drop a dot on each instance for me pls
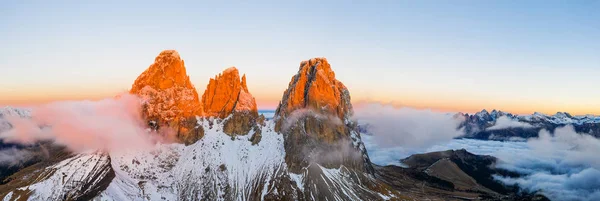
(227, 97)
(315, 88)
(170, 98)
(227, 93)
(314, 116)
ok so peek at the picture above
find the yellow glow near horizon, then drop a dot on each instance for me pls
(270, 100)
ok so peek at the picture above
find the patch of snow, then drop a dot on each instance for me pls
(299, 179)
(8, 197)
(385, 197)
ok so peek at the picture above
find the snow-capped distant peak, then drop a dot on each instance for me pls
(18, 112)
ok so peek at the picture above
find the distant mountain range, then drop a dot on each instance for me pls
(499, 125)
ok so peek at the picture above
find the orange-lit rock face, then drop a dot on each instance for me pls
(315, 88)
(167, 89)
(170, 98)
(314, 117)
(227, 93)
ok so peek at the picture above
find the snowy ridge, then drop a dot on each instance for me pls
(214, 168)
(561, 118)
(72, 178)
(558, 118)
(10, 111)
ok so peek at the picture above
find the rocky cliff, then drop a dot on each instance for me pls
(314, 116)
(170, 99)
(227, 97)
(228, 93)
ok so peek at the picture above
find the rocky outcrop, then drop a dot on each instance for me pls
(170, 99)
(315, 88)
(314, 116)
(227, 97)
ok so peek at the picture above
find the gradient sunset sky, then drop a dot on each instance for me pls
(517, 56)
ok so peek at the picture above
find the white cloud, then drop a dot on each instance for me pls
(404, 130)
(299, 114)
(13, 156)
(563, 165)
(504, 122)
(110, 124)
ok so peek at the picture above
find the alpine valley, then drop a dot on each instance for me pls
(222, 148)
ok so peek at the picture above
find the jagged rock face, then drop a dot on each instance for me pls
(314, 115)
(227, 93)
(227, 96)
(170, 98)
(315, 88)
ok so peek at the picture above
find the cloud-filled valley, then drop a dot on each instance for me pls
(560, 164)
(407, 127)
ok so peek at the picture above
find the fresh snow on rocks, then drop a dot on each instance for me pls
(216, 167)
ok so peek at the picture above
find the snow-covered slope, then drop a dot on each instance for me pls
(79, 177)
(216, 167)
(73, 178)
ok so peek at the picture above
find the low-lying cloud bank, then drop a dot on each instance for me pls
(110, 124)
(563, 166)
(504, 122)
(404, 130)
(299, 114)
(14, 157)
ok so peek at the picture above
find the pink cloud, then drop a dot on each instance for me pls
(109, 124)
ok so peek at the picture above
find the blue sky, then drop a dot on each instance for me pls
(519, 56)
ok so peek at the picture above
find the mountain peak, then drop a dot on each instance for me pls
(170, 98)
(563, 115)
(226, 93)
(168, 54)
(314, 116)
(167, 71)
(230, 70)
(315, 87)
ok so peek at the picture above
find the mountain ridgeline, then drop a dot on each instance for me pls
(310, 150)
(499, 125)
